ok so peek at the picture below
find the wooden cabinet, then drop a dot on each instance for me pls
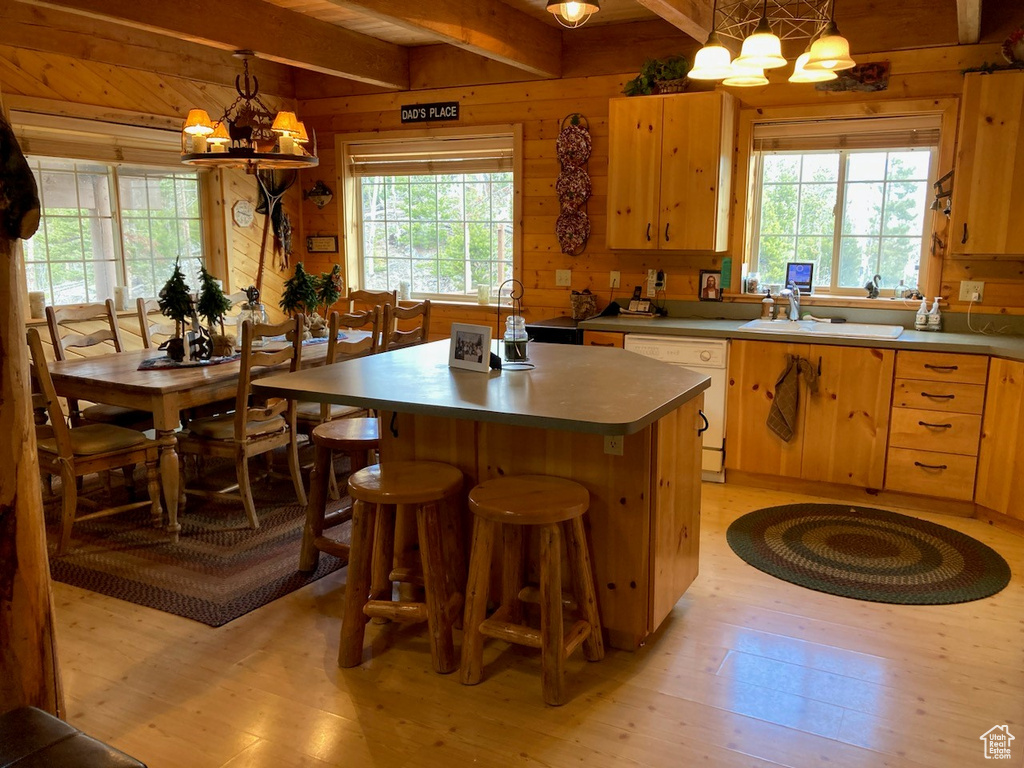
(1000, 485)
(990, 167)
(936, 423)
(841, 430)
(670, 172)
(603, 339)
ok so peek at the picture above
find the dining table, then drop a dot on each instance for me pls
(116, 379)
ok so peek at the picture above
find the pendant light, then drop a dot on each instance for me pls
(745, 77)
(803, 75)
(713, 61)
(573, 13)
(830, 51)
(763, 49)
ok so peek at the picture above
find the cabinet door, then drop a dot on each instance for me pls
(1000, 484)
(846, 424)
(990, 167)
(696, 172)
(754, 367)
(634, 172)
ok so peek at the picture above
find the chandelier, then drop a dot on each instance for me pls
(762, 25)
(573, 13)
(248, 134)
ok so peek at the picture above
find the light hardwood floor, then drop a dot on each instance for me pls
(747, 671)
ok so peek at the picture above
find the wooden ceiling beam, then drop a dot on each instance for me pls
(694, 17)
(276, 34)
(968, 21)
(489, 28)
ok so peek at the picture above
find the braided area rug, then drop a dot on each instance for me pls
(868, 554)
(220, 568)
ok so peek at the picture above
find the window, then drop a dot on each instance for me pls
(434, 215)
(849, 196)
(105, 225)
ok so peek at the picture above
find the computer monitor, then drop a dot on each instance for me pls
(800, 274)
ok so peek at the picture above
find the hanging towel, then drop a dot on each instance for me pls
(782, 415)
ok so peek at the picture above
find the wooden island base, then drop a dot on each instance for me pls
(644, 517)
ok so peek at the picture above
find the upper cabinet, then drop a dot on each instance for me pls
(670, 172)
(989, 179)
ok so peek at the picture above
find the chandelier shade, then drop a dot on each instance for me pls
(803, 75)
(831, 51)
(712, 62)
(198, 123)
(763, 49)
(745, 77)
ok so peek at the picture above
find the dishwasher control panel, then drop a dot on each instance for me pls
(698, 354)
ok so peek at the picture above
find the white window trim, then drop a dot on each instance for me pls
(350, 211)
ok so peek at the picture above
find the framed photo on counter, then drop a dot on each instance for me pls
(470, 347)
(710, 286)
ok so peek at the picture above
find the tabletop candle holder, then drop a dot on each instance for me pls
(515, 339)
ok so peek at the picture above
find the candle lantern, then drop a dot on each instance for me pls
(514, 341)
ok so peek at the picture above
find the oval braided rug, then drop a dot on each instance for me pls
(868, 554)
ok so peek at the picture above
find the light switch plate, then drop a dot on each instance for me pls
(969, 287)
(563, 278)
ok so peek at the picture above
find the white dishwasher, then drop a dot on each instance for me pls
(707, 356)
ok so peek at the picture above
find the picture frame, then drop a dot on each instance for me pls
(470, 347)
(710, 286)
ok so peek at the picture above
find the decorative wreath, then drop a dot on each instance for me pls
(573, 188)
(573, 230)
(573, 145)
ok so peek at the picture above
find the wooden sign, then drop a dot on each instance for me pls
(322, 244)
(429, 113)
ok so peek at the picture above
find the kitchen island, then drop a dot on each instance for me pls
(625, 426)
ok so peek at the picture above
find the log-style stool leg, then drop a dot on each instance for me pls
(552, 633)
(582, 574)
(477, 587)
(381, 585)
(357, 590)
(309, 555)
(512, 571)
(440, 610)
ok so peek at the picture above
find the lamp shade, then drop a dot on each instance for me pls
(302, 137)
(712, 62)
(831, 51)
(802, 75)
(286, 124)
(745, 77)
(762, 49)
(220, 134)
(573, 13)
(198, 123)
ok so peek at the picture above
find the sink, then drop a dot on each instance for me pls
(814, 328)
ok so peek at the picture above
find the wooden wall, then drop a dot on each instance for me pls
(540, 107)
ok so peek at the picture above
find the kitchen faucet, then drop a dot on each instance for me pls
(793, 293)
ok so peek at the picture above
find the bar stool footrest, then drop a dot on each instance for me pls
(531, 594)
(510, 632)
(409, 613)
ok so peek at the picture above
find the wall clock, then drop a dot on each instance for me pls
(243, 213)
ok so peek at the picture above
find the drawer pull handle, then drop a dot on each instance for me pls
(707, 424)
(602, 344)
(935, 426)
(938, 397)
(930, 466)
(931, 367)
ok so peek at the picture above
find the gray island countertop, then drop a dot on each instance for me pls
(572, 388)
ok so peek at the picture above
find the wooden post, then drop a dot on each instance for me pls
(28, 656)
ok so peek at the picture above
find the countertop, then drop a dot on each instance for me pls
(595, 390)
(1009, 347)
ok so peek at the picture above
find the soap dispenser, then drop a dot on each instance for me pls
(921, 321)
(768, 306)
(935, 317)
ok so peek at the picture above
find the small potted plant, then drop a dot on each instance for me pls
(328, 291)
(176, 303)
(300, 293)
(212, 306)
(659, 76)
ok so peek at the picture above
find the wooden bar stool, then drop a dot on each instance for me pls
(379, 492)
(355, 437)
(556, 506)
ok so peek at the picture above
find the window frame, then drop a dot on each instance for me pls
(350, 206)
(946, 108)
(833, 288)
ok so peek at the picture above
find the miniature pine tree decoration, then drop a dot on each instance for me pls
(329, 288)
(300, 292)
(176, 300)
(213, 304)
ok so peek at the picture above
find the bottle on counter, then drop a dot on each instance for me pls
(768, 306)
(935, 317)
(921, 320)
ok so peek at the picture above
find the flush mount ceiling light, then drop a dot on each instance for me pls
(248, 134)
(761, 26)
(573, 14)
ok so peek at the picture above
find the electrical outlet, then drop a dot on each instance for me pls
(614, 279)
(652, 279)
(613, 444)
(660, 280)
(563, 278)
(968, 289)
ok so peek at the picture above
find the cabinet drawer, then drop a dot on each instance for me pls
(939, 366)
(935, 431)
(948, 396)
(930, 474)
(602, 339)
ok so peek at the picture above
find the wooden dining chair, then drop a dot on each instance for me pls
(77, 327)
(361, 300)
(251, 429)
(75, 452)
(406, 326)
(154, 326)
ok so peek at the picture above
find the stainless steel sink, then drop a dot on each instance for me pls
(814, 328)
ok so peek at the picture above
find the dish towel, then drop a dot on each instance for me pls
(782, 415)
